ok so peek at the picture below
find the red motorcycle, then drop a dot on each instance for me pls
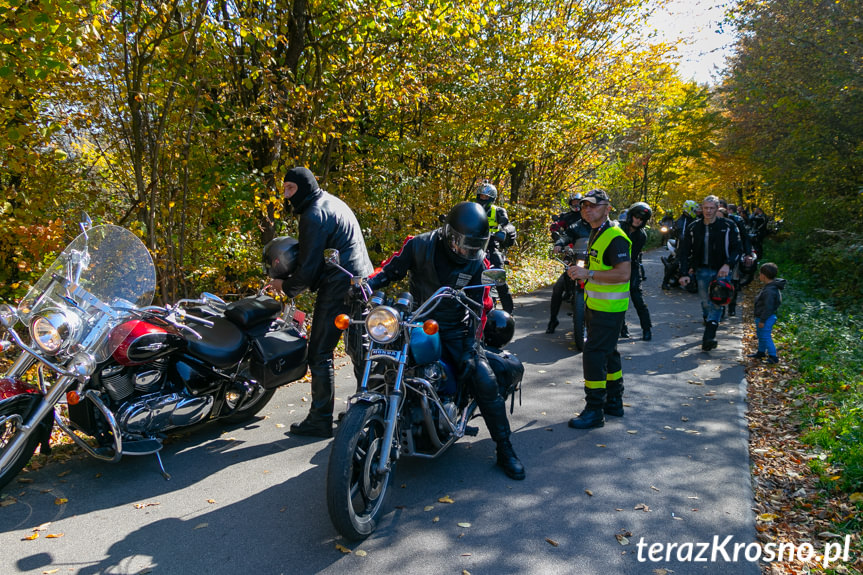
(127, 371)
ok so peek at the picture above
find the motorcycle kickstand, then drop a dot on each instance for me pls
(165, 474)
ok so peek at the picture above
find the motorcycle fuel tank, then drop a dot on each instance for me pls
(143, 342)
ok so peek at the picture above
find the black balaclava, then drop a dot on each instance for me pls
(306, 186)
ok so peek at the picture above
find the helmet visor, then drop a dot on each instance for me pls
(470, 248)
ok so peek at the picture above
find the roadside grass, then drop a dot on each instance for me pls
(822, 395)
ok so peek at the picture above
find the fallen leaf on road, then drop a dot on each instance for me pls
(632, 431)
(465, 525)
(8, 501)
(589, 492)
(643, 507)
(654, 488)
(201, 525)
(342, 548)
(436, 519)
(695, 382)
(541, 371)
(428, 507)
(53, 535)
(32, 536)
(280, 425)
(25, 480)
(42, 527)
(60, 501)
(360, 553)
(211, 500)
(446, 499)
(65, 473)
(49, 571)
(143, 505)
(601, 445)
(621, 539)
(552, 542)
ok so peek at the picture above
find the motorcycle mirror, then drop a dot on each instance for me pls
(86, 222)
(496, 276)
(331, 256)
(213, 300)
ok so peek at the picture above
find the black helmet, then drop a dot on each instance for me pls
(577, 199)
(499, 328)
(466, 232)
(281, 256)
(639, 210)
(720, 291)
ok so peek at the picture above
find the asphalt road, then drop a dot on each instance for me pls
(673, 471)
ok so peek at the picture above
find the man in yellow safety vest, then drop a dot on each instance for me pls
(606, 298)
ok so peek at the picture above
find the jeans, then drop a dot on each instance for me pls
(709, 311)
(765, 336)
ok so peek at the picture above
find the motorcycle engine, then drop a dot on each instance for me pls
(121, 382)
(158, 412)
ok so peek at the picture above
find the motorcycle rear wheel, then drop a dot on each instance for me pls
(21, 405)
(579, 328)
(355, 492)
(251, 408)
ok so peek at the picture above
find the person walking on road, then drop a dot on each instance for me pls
(606, 298)
(710, 250)
(502, 236)
(325, 222)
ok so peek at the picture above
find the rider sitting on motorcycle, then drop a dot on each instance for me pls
(579, 229)
(453, 256)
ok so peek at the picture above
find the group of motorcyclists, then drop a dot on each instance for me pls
(474, 237)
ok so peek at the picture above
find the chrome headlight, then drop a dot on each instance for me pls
(382, 324)
(54, 329)
(8, 316)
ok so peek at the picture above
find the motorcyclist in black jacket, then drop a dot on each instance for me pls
(637, 217)
(746, 247)
(502, 234)
(563, 220)
(453, 256)
(325, 222)
(562, 287)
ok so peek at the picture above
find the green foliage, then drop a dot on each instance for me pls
(827, 345)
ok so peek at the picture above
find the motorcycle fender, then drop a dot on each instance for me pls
(11, 387)
(30, 400)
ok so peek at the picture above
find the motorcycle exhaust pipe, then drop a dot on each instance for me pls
(428, 422)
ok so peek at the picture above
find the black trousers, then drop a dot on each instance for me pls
(329, 303)
(562, 285)
(495, 258)
(600, 357)
(473, 371)
(637, 298)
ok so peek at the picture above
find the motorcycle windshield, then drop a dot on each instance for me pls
(101, 274)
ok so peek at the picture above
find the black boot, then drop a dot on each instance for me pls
(624, 332)
(614, 398)
(592, 416)
(646, 334)
(757, 355)
(552, 325)
(708, 342)
(508, 460)
(314, 425)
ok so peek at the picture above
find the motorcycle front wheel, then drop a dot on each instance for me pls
(579, 328)
(22, 406)
(355, 491)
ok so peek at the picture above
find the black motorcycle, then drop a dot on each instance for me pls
(128, 371)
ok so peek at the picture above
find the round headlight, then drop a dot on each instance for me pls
(382, 324)
(53, 329)
(8, 316)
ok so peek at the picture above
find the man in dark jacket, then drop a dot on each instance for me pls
(710, 249)
(637, 217)
(453, 256)
(502, 236)
(325, 222)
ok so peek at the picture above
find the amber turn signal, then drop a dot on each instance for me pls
(342, 321)
(72, 398)
(430, 327)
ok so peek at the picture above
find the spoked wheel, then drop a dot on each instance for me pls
(250, 408)
(13, 412)
(579, 325)
(355, 491)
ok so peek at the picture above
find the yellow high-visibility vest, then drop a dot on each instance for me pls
(602, 296)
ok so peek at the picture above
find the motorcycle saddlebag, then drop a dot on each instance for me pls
(508, 370)
(278, 357)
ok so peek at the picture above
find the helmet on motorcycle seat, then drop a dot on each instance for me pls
(466, 232)
(720, 291)
(499, 328)
(281, 256)
(639, 210)
(488, 191)
(690, 208)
